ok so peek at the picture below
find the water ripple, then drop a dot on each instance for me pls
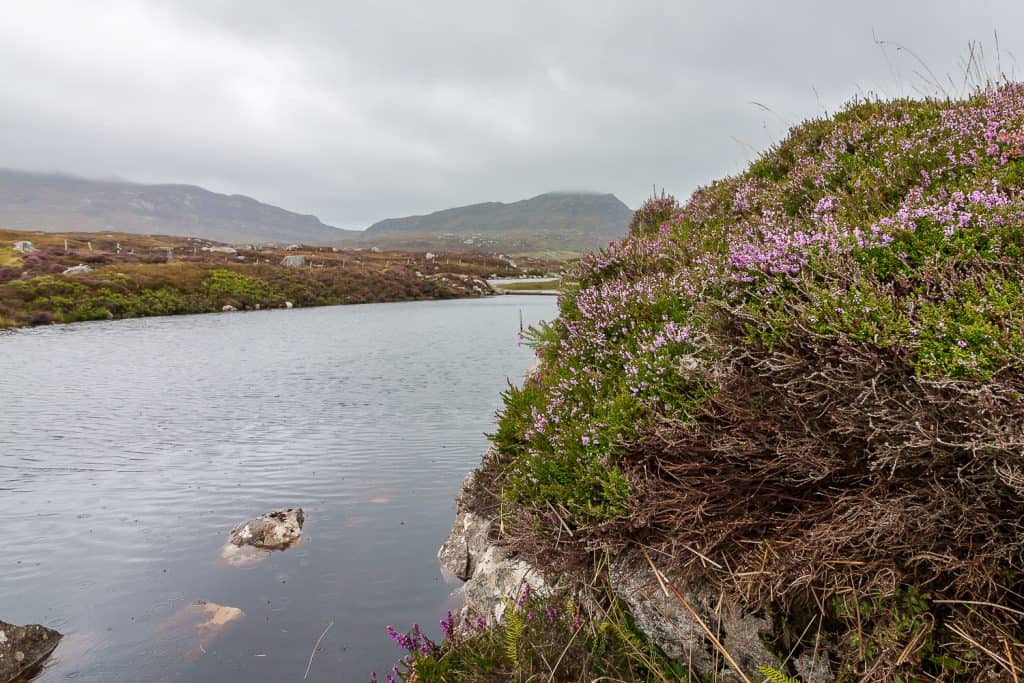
(128, 450)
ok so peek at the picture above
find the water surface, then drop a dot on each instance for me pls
(128, 449)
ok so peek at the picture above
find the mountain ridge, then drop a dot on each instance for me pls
(60, 202)
(591, 213)
(57, 202)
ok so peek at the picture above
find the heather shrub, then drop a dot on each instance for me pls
(538, 638)
(804, 387)
(40, 318)
(653, 213)
(8, 273)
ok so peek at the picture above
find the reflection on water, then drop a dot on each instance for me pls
(129, 449)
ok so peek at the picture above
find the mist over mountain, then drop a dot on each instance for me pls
(562, 221)
(54, 202)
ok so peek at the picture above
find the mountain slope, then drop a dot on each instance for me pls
(556, 212)
(50, 202)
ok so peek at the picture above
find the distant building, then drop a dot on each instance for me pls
(294, 261)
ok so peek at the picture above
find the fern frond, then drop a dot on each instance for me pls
(515, 625)
(775, 676)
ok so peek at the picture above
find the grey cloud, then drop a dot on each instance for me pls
(359, 111)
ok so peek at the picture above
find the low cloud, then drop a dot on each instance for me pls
(360, 112)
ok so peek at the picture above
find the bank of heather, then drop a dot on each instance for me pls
(796, 397)
(56, 278)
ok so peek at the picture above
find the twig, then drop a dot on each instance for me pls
(1009, 655)
(315, 647)
(551, 676)
(981, 603)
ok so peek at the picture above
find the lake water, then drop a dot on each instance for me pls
(128, 450)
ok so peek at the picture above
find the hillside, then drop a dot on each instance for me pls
(563, 218)
(31, 201)
(791, 405)
(73, 277)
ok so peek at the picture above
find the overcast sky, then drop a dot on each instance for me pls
(361, 111)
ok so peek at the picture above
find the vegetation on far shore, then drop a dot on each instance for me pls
(802, 387)
(130, 276)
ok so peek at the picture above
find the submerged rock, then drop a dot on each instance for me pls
(200, 623)
(22, 648)
(273, 530)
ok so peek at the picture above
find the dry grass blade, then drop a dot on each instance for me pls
(315, 648)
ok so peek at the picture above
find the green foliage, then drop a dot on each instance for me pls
(543, 639)
(514, 627)
(776, 676)
(231, 285)
(900, 622)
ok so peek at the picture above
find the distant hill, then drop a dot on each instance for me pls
(594, 216)
(53, 203)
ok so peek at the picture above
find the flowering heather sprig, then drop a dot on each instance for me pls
(414, 641)
(524, 597)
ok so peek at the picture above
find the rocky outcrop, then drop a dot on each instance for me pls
(24, 247)
(77, 270)
(490, 575)
(473, 555)
(274, 530)
(22, 648)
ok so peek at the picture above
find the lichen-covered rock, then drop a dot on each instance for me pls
(273, 530)
(490, 575)
(813, 669)
(465, 544)
(670, 625)
(497, 577)
(23, 648)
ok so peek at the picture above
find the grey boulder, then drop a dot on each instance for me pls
(22, 648)
(273, 530)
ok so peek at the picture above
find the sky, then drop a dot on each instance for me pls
(357, 112)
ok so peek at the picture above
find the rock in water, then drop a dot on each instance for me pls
(24, 647)
(273, 530)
